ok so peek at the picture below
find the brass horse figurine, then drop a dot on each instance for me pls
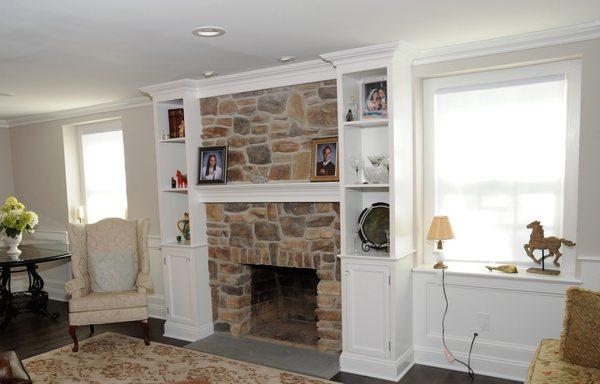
(538, 241)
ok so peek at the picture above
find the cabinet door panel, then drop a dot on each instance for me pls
(367, 310)
(179, 287)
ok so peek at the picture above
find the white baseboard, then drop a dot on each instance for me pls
(377, 368)
(156, 307)
(482, 364)
(187, 332)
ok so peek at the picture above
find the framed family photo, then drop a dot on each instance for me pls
(213, 165)
(373, 100)
(324, 159)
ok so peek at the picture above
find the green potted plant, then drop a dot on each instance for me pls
(14, 220)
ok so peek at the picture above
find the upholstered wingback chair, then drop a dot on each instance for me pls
(110, 253)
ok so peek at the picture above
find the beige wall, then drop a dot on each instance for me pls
(40, 181)
(6, 168)
(589, 156)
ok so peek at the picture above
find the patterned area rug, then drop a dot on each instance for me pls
(113, 358)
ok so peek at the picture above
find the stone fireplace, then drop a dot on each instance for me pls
(284, 303)
(273, 271)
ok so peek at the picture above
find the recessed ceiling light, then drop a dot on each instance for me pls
(208, 74)
(6, 94)
(286, 59)
(208, 31)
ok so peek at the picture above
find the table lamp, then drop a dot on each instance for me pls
(439, 231)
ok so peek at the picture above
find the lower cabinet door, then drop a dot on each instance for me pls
(367, 312)
(179, 286)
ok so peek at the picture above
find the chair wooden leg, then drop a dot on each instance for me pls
(73, 333)
(146, 329)
(92, 329)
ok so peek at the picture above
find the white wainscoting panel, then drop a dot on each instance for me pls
(521, 313)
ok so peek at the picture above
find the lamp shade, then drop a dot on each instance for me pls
(440, 229)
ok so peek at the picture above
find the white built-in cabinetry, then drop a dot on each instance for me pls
(185, 263)
(376, 289)
(376, 298)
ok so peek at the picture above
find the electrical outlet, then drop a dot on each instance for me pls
(483, 321)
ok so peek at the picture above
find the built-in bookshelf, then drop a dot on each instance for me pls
(177, 154)
(376, 284)
(360, 139)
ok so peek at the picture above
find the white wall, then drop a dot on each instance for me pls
(7, 187)
(43, 181)
(521, 312)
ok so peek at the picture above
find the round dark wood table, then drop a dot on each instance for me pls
(34, 298)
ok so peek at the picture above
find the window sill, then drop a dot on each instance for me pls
(479, 270)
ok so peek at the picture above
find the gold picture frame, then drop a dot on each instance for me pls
(324, 164)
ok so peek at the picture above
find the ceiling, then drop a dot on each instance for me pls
(63, 54)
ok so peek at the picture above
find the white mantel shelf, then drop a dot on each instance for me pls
(269, 192)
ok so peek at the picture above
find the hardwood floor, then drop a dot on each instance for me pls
(30, 335)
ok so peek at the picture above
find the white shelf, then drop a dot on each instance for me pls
(182, 244)
(175, 190)
(369, 187)
(180, 140)
(269, 192)
(367, 123)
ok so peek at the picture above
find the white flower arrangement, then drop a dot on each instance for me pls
(14, 219)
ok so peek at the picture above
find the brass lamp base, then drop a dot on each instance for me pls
(440, 265)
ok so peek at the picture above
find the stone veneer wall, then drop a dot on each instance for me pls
(297, 235)
(269, 131)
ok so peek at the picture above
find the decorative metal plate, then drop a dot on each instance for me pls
(374, 226)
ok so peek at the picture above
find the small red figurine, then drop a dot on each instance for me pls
(181, 179)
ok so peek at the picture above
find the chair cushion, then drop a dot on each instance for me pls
(98, 301)
(112, 271)
(112, 234)
(547, 367)
(580, 338)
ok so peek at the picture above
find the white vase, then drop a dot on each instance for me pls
(13, 244)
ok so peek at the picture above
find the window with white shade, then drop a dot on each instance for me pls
(500, 151)
(103, 170)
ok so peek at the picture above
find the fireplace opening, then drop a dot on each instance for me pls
(283, 304)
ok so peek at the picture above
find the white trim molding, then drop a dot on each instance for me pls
(377, 368)
(78, 112)
(186, 332)
(512, 43)
(279, 76)
(368, 53)
(269, 192)
(4, 124)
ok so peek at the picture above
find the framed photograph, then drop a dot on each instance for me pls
(213, 165)
(324, 159)
(373, 99)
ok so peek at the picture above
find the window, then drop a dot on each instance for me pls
(500, 152)
(103, 170)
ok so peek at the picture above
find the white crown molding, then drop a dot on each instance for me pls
(371, 52)
(77, 112)
(4, 124)
(538, 39)
(278, 76)
(169, 87)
